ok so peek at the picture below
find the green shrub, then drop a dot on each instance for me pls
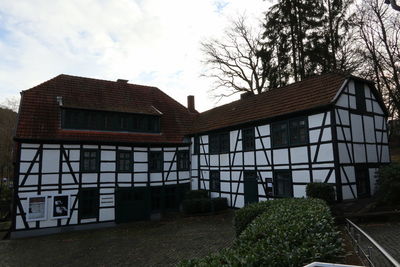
(219, 203)
(246, 215)
(322, 191)
(389, 184)
(293, 232)
(196, 194)
(199, 205)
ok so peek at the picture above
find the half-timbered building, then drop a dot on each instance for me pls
(93, 152)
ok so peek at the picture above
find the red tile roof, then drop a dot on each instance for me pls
(39, 116)
(310, 93)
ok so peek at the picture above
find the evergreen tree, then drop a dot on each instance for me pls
(306, 37)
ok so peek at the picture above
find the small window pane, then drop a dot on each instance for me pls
(196, 145)
(89, 160)
(283, 184)
(279, 134)
(183, 160)
(298, 131)
(124, 161)
(360, 96)
(213, 143)
(224, 143)
(156, 161)
(248, 136)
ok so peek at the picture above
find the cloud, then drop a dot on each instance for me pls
(151, 42)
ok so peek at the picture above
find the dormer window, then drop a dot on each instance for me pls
(80, 119)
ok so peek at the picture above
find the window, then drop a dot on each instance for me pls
(156, 161)
(183, 160)
(298, 131)
(360, 96)
(196, 145)
(248, 139)
(279, 134)
(124, 161)
(293, 132)
(88, 203)
(219, 143)
(283, 184)
(90, 160)
(109, 121)
(37, 208)
(215, 183)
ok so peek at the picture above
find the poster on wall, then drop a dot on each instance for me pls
(60, 206)
(37, 208)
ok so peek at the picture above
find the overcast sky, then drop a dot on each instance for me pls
(150, 42)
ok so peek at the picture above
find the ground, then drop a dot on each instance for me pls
(162, 243)
(387, 235)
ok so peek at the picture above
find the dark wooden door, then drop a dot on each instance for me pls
(362, 180)
(132, 204)
(250, 187)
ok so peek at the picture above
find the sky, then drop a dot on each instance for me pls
(149, 42)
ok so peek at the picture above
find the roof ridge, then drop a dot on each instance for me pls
(104, 80)
(315, 76)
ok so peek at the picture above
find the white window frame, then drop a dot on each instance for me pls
(68, 208)
(28, 219)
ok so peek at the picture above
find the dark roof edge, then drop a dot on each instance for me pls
(267, 120)
(88, 142)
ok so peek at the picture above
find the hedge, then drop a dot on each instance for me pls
(204, 205)
(196, 194)
(322, 191)
(245, 216)
(293, 232)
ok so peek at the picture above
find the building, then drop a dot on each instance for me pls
(94, 153)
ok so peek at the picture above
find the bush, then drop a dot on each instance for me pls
(199, 205)
(389, 184)
(196, 194)
(293, 232)
(322, 191)
(245, 216)
(219, 203)
(204, 205)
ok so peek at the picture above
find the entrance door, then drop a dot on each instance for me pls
(250, 187)
(132, 204)
(362, 180)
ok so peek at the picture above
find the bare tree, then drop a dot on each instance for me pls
(379, 34)
(233, 62)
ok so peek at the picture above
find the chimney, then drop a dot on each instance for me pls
(122, 81)
(190, 103)
(246, 95)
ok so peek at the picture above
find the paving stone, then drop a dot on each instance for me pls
(162, 243)
(386, 235)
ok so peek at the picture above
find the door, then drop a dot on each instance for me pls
(132, 204)
(362, 180)
(250, 187)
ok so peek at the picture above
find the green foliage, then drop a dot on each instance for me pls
(293, 232)
(322, 191)
(219, 203)
(204, 205)
(389, 184)
(5, 193)
(245, 216)
(196, 194)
